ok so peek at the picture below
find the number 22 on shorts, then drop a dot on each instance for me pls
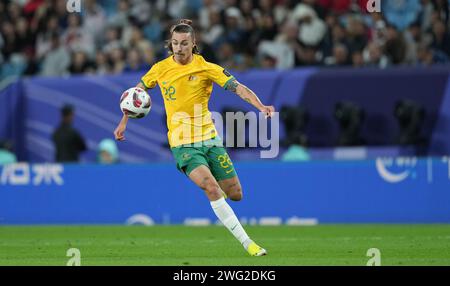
(225, 162)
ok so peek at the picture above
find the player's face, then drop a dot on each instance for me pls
(182, 44)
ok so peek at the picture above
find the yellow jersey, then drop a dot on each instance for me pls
(186, 90)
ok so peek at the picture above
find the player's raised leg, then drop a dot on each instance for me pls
(203, 178)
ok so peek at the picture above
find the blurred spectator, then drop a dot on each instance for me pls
(212, 33)
(120, 18)
(378, 29)
(76, 38)
(374, 57)
(279, 53)
(111, 40)
(319, 9)
(442, 7)
(6, 154)
(107, 152)
(101, 63)
(441, 37)
(60, 10)
(135, 62)
(296, 153)
(357, 59)
(401, 13)
(14, 11)
(141, 11)
(413, 37)
(427, 56)
(117, 58)
(248, 11)
(10, 43)
(57, 60)
(268, 62)
(356, 34)
(287, 40)
(229, 3)
(205, 49)
(68, 141)
(312, 28)
(424, 55)
(94, 19)
(305, 32)
(204, 14)
(144, 47)
(176, 9)
(333, 24)
(80, 63)
(425, 14)
(153, 30)
(25, 39)
(395, 46)
(309, 56)
(340, 56)
(266, 6)
(266, 30)
(44, 37)
(228, 58)
(234, 33)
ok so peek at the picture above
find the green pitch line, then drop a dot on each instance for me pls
(181, 245)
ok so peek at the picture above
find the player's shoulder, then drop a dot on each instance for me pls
(205, 62)
(164, 62)
(201, 61)
(160, 65)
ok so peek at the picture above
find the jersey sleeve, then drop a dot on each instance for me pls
(149, 80)
(219, 75)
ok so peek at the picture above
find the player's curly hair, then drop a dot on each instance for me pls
(183, 26)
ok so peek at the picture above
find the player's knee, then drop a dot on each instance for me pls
(236, 195)
(212, 190)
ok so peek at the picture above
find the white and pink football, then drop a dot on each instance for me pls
(135, 102)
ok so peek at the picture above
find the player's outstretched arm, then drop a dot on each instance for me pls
(119, 132)
(248, 95)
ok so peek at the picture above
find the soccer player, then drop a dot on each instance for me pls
(186, 82)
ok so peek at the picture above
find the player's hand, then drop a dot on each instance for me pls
(268, 110)
(119, 133)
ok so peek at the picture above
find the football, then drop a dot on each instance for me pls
(135, 102)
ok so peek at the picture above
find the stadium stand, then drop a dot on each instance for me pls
(39, 37)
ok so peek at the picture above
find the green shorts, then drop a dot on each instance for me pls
(211, 153)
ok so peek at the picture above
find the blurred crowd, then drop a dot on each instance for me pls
(40, 37)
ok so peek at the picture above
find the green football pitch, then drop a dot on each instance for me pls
(214, 245)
